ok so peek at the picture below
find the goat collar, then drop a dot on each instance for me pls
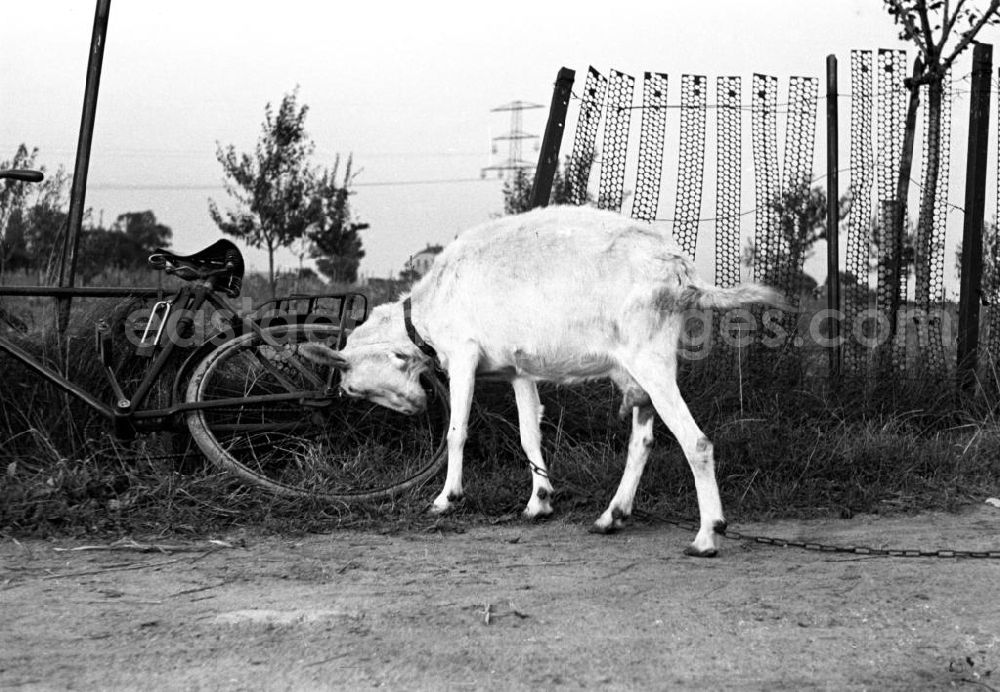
(411, 332)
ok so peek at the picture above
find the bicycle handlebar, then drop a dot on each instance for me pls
(25, 175)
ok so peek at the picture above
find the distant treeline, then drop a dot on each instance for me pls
(34, 218)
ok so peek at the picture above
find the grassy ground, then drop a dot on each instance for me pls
(785, 448)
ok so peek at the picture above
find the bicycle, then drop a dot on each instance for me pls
(251, 403)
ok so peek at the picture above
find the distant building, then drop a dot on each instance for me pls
(420, 263)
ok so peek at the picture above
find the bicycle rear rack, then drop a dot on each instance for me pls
(344, 308)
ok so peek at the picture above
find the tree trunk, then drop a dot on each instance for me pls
(270, 269)
(298, 277)
(928, 196)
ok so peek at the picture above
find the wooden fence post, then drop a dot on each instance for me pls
(975, 200)
(548, 157)
(833, 214)
(78, 191)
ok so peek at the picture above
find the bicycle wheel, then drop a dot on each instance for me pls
(272, 417)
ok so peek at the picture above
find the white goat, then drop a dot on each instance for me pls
(563, 294)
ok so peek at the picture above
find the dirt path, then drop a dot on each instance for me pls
(567, 609)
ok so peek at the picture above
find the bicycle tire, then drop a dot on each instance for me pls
(318, 445)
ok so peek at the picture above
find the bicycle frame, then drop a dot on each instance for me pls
(127, 415)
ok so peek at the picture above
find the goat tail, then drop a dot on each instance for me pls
(710, 297)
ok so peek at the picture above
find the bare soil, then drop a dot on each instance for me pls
(508, 606)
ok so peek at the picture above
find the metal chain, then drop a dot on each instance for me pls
(734, 535)
(825, 547)
(813, 546)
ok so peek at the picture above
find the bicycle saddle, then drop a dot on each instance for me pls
(221, 260)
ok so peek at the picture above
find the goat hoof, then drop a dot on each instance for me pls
(539, 507)
(691, 551)
(537, 516)
(443, 510)
(446, 504)
(602, 530)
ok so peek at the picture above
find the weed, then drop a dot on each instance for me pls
(786, 445)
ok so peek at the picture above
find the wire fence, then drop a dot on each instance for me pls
(897, 315)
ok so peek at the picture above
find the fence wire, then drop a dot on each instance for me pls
(764, 140)
(991, 270)
(885, 265)
(652, 138)
(690, 162)
(616, 131)
(767, 183)
(728, 189)
(890, 128)
(585, 140)
(728, 181)
(800, 140)
(929, 251)
(856, 287)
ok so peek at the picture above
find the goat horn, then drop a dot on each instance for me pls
(338, 361)
(322, 353)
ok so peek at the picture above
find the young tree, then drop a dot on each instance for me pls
(128, 244)
(13, 197)
(273, 188)
(941, 31)
(990, 280)
(32, 216)
(336, 243)
(517, 190)
(142, 228)
(801, 222)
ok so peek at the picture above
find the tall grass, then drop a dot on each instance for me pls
(807, 450)
(786, 446)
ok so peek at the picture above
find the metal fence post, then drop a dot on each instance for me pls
(548, 157)
(975, 200)
(833, 214)
(78, 192)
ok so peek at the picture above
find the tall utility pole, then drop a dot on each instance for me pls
(975, 201)
(514, 138)
(78, 193)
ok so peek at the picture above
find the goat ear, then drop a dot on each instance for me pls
(323, 354)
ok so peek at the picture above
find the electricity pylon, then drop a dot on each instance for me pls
(514, 139)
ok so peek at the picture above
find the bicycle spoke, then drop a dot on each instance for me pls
(339, 449)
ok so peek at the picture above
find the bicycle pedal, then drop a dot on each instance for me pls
(102, 334)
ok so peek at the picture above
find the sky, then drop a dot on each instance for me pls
(407, 88)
